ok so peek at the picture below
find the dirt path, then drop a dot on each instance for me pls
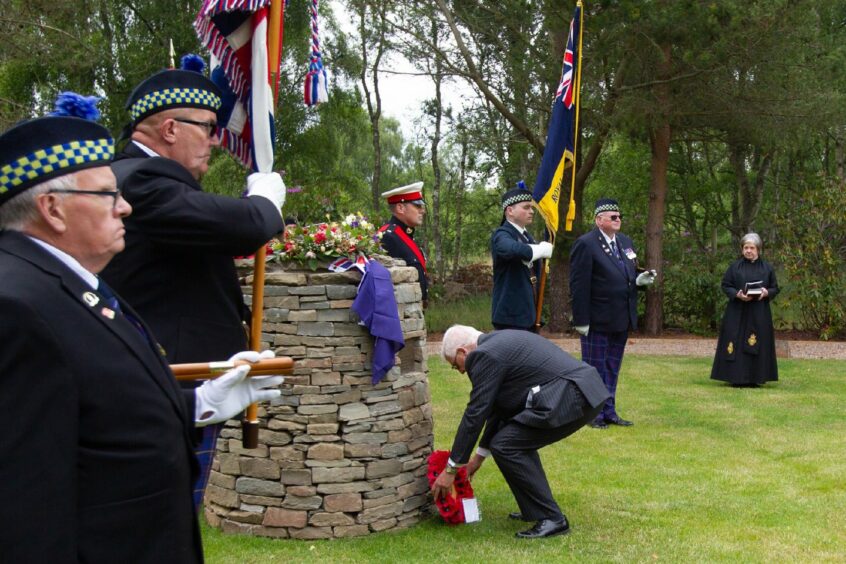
(702, 347)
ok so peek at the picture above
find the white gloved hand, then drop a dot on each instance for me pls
(646, 278)
(541, 250)
(267, 185)
(222, 398)
(582, 329)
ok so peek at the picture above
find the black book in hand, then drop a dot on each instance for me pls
(754, 288)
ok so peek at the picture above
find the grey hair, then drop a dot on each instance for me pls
(753, 238)
(456, 337)
(21, 210)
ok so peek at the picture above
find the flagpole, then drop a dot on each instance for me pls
(571, 210)
(249, 425)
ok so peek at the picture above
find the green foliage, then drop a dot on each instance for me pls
(707, 474)
(810, 248)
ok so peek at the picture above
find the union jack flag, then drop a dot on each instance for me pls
(566, 84)
(235, 33)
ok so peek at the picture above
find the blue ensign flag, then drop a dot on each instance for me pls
(561, 134)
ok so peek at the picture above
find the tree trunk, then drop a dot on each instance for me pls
(436, 168)
(659, 138)
(459, 200)
(374, 110)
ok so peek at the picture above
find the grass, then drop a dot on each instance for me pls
(472, 310)
(708, 473)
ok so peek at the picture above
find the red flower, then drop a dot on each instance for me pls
(450, 507)
(320, 237)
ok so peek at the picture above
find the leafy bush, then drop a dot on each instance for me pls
(810, 250)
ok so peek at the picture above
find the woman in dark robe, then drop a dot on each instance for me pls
(746, 348)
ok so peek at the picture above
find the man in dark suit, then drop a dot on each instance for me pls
(97, 459)
(527, 393)
(408, 210)
(603, 290)
(177, 269)
(516, 267)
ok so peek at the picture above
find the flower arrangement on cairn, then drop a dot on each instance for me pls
(310, 244)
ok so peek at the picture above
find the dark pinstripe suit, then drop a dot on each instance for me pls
(504, 367)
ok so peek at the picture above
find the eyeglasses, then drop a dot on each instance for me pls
(454, 362)
(614, 217)
(209, 126)
(115, 194)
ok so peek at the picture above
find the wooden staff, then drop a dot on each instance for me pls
(210, 370)
(249, 425)
(541, 288)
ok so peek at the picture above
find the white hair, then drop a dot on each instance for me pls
(456, 337)
(753, 238)
(19, 211)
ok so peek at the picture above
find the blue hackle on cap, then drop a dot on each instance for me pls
(71, 104)
(521, 185)
(191, 62)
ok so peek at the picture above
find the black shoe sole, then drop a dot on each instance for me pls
(558, 534)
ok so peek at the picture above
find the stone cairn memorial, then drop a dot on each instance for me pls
(337, 455)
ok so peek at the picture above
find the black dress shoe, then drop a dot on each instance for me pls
(598, 424)
(620, 422)
(546, 528)
(517, 516)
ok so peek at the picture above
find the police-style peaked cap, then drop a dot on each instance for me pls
(412, 193)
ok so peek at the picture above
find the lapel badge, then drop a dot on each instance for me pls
(90, 298)
(631, 254)
(106, 312)
(409, 230)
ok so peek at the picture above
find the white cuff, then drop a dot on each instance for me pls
(483, 452)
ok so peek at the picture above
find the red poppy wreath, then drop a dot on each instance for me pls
(450, 506)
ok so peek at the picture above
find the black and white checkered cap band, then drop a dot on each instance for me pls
(174, 97)
(527, 197)
(605, 208)
(56, 158)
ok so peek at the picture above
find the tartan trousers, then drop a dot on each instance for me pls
(205, 456)
(604, 351)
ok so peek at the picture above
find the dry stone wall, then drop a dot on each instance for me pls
(337, 455)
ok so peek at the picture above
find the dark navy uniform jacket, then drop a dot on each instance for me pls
(398, 247)
(513, 300)
(97, 462)
(603, 293)
(177, 269)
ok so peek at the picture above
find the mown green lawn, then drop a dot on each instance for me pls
(708, 473)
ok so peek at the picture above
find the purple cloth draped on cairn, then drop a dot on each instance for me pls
(376, 306)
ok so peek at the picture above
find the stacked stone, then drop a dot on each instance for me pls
(337, 455)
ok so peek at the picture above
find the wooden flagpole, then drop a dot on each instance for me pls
(249, 425)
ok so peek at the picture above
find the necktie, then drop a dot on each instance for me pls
(617, 255)
(108, 295)
(110, 299)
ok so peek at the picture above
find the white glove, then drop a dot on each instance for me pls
(222, 398)
(646, 278)
(267, 185)
(582, 329)
(541, 250)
